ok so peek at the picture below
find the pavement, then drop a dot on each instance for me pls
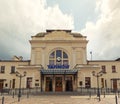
(59, 99)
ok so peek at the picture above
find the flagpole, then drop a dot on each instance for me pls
(91, 54)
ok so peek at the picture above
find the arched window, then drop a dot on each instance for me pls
(58, 57)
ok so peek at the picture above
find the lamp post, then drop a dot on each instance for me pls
(20, 76)
(97, 75)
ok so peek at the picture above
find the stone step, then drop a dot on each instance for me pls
(60, 93)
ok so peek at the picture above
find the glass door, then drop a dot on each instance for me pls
(48, 84)
(58, 84)
(69, 86)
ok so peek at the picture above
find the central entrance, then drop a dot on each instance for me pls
(69, 85)
(58, 83)
(58, 80)
(48, 84)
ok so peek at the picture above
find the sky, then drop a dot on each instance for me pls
(99, 20)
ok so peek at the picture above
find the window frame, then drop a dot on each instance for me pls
(113, 69)
(64, 60)
(2, 69)
(12, 69)
(87, 82)
(103, 67)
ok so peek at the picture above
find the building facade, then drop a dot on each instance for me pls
(59, 63)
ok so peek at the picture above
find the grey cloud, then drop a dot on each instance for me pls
(104, 35)
(21, 19)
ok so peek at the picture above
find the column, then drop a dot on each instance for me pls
(53, 83)
(44, 83)
(73, 82)
(43, 56)
(63, 83)
(73, 57)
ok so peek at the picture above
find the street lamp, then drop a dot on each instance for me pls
(20, 76)
(97, 75)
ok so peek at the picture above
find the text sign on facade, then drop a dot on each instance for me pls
(58, 66)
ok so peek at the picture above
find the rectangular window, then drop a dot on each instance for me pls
(37, 80)
(2, 69)
(106, 83)
(80, 83)
(12, 69)
(36, 84)
(104, 69)
(52, 55)
(6, 85)
(51, 62)
(113, 69)
(13, 83)
(87, 82)
(29, 82)
(58, 53)
(65, 62)
(102, 82)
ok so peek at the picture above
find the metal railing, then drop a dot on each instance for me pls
(80, 91)
(86, 91)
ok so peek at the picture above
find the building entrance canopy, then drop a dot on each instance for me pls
(58, 71)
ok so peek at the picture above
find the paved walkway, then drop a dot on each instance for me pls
(59, 99)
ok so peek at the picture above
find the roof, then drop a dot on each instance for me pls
(59, 30)
(42, 34)
(14, 61)
(58, 71)
(77, 35)
(116, 60)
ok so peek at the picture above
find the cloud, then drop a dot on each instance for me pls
(104, 34)
(21, 19)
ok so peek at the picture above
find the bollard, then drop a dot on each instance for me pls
(1, 93)
(118, 95)
(104, 94)
(99, 98)
(19, 97)
(81, 89)
(27, 94)
(116, 100)
(13, 94)
(90, 95)
(3, 100)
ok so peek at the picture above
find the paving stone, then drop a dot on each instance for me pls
(58, 99)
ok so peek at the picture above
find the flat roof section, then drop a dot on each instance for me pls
(58, 71)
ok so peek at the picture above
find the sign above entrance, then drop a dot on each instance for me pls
(58, 66)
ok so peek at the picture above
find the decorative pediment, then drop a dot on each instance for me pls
(59, 35)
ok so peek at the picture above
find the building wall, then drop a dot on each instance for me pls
(41, 47)
(7, 75)
(108, 75)
(74, 46)
(31, 72)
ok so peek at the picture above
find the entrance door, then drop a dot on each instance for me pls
(58, 84)
(114, 84)
(69, 86)
(87, 82)
(48, 84)
(1, 84)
